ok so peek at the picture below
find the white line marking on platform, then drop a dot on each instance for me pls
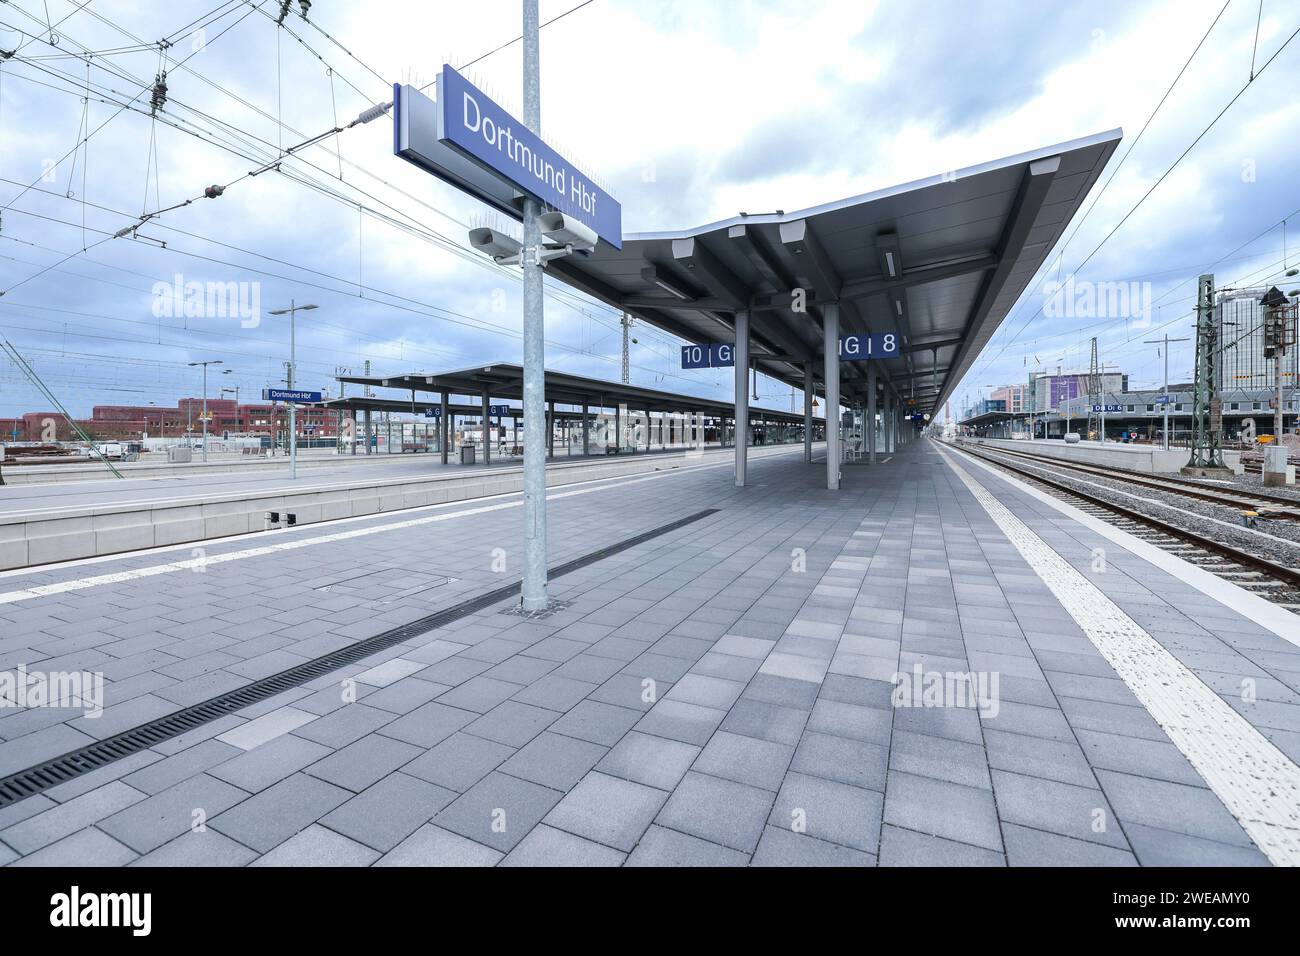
(1258, 784)
(202, 563)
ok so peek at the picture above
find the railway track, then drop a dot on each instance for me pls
(1260, 503)
(1273, 581)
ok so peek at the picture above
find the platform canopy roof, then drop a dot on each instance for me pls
(939, 262)
(994, 418)
(502, 380)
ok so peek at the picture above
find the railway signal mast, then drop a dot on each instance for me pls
(1279, 334)
(1207, 413)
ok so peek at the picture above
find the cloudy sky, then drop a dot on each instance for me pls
(687, 111)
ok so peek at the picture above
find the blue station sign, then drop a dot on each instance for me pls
(874, 346)
(433, 411)
(290, 395)
(464, 136)
(1108, 408)
(709, 355)
(500, 411)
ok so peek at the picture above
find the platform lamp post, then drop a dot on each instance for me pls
(204, 416)
(292, 313)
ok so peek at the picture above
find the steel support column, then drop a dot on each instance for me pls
(831, 373)
(741, 355)
(807, 410)
(444, 423)
(871, 412)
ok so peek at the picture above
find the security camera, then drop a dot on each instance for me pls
(567, 231)
(498, 245)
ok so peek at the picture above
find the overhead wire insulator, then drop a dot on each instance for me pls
(284, 12)
(213, 191)
(158, 96)
(304, 6)
(373, 113)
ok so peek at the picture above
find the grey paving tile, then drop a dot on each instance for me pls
(841, 758)
(678, 720)
(654, 761)
(269, 763)
(1039, 756)
(199, 848)
(784, 847)
(343, 726)
(433, 846)
(767, 721)
(317, 846)
(547, 846)
(428, 724)
(608, 810)
(1154, 846)
(939, 757)
(1194, 811)
(1056, 807)
(851, 720)
(663, 847)
(385, 814)
(267, 819)
(720, 811)
(459, 762)
(749, 760)
(148, 824)
(942, 809)
(554, 760)
(59, 821)
(362, 763)
(900, 847)
(498, 811)
(828, 810)
(161, 774)
(597, 722)
(85, 848)
(512, 723)
(1027, 847)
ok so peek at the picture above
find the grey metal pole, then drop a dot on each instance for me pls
(445, 425)
(586, 429)
(807, 410)
(831, 344)
(205, 411)
(550, 430)
(741, 354)
(293, 406)
(871, 412)
(487, 428)
(534, 596)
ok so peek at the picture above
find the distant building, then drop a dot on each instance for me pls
(1013, 396)
(135, 422)
(1046, 392)
(1239, 319)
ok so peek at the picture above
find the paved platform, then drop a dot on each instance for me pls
(722, 694)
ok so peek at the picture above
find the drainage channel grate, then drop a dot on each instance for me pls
(61, 769)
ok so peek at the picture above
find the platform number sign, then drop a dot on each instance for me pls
(1108, 408)
(709, 355)
(878, 345)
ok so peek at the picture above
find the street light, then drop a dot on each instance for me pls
(204, 416)
(292, 312)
